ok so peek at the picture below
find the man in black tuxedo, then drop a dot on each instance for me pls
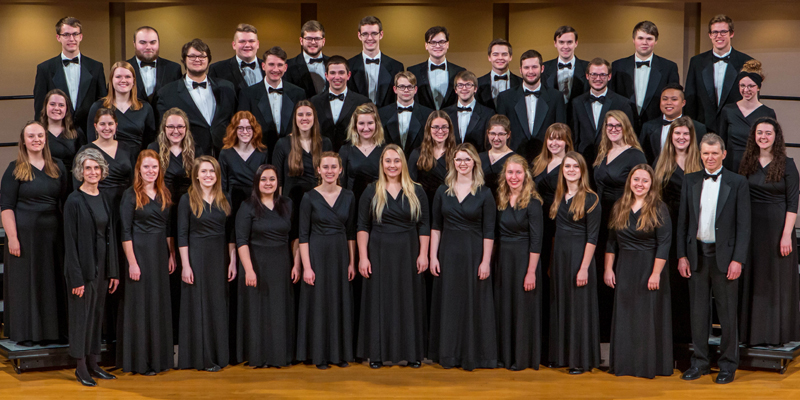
(273, 101)
(589, 109)
(373, 72)
(152, 71)
(531, 108)
(712, 81)
(210, 104)
(404, 122)
(336, 105)
(80, 77)
(435, 76)
(566, 73)
(500, 78)
(307, 70)
(244, 69)
(713, 240)
(468, 116)
(654, 132)
(642, 76)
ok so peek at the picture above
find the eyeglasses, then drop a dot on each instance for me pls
(244, 129)
(749, 87)
(614, 127)
(462, 160)
(443, 128)
(498, 134)
(70, 35)
(365, 35)
(405, 88)
(196, 57)
(313, 39)
(437, 43)
(175, 127)
(719, 33)
(598, 76)
(467, 85)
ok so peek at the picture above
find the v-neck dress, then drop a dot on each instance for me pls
(734, 128)
(491, 172)
(359, 170)
(238, 174)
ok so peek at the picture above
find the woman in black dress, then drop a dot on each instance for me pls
(90, 263)
(327, 249)
(241, 155)
(770, 315)
(393, 238)
(31, 195)
(679, 156)
(208, 257)
(517, 279)
(498, 135)
(574, 325)
(63, 138)
(463, 331)
(641, 234)
(735, 120)
(137, 124)
(427, 164)
(361, 156)
(618, 153)
(144, 345)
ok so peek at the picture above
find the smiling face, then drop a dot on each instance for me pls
(370, 37)
(244, 131)
(566, 44)
(35, 138)
(312, 42)
(765, 136)
(500, 57)
(274, 68)
(304, 118)
(146, 45)
(557, 146)
(268, 183)
(56, 107)
(329, 169)
(175, 129)
(392, 164)
(571, 170)
(122, 81)
(149, 170)
(515, 176)
(644, 43)
(337, 76)
(245, 44)
(672, 103)
(206, 175)
(498, 137)
(106, 127)
(712, 156)
(640, 183)
(464, 163)
(720, 35)
(70, 39)
(531, 71)
(92, 173)
(681, 138)
(465, 90)
(614, 130)
(748, 89)
(365, 125)
(598, 77)
(440, 129)
(437, 46)
(196, 61)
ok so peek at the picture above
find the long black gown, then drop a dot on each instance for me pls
(135, 128)
(491, 172)
(463, 330)
(64, 149)
(546, 184)
(574, 321)
(393, 323)
(294, 187)
(33, 284)
(431, 179)
(238, 173)
(325, 313)
(519, 313)
(359, 170)
(203, 337)
(770, 313)
(266, 315)
(610, 180)
(641, 330)
(734, 128)
(145, 342)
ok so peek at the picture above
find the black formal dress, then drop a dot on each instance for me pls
(475, 131)
(336, 131)
(393, 323)
(771, 283)
(463, 326)
(238, 173)
(650, 137)
(294, 187)
(145, 341)
(586, 131)
(734, 129)
(416, 126)
(64, 150)
(431, 179)
(266, 321)
(387, 69)
(550, 109)
(297, 73)
(231, 71)
(641, 331)
(358, 169)
(256, 100)
(485, 90)
(33, 284)
(623, 82)
(166, 71)
(574, 322)
(135, 128)
(425, 94)
(546, 184)
(120, 177)
(325, 313)
(701, 95)
(204, 327)
(519, 312)
(491, 172)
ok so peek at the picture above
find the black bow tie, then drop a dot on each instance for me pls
(372, 61)
(401, 109)
(664, 122)
(442, 66)
(464, 109)
(727, 59)
(278, 91)
(244, 65)
(143, 64)
(601, 99)
(203, 85)
(536, 93)
(332, 97)
(501, 77)
(567, 65)
(714, 177)
(640, 64)
(68, 61)
(315, 60)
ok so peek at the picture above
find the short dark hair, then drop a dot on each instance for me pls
(334, 60)
(433, 31)
(144, 28)
(312, 26)
(598, 62)
(721, 18)
(530, 54)
(565, 29)
(198, 45)
(500, 42)
(646, 27)
(673, 86)
(466, 76)
(370, 20)
(276, 51)
(71, 21)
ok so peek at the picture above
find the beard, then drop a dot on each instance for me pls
(142, 57)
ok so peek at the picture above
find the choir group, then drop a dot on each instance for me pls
(324, 210)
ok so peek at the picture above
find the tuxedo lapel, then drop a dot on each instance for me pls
(160, 65)
(724, 191)
(347, 108)
(655, 77)
(697, 191)
(237, 74)
(360, 78)
(217, 99)
(385, 81)
(541, 113)
(191, 107)
(393, 127)
(474, 120)
(708, 81)
(521, 109)
(139, 81)
(287, 106)
(414, 125)
(86, 81)
(60, 81)
(265, 107)
(588, 106)
(727, 84)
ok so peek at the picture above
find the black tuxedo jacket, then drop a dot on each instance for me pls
(166, 71)
(579, 83)
(229, 71)
(206, 136)
(587, 135)
(623, 76)
(549, 110)
(476, 130)
(732, 226)
(650, 137)
(256, 100)
(336, 132)
(484, 95)
(416, 126)
(297, 74)
(701, 98)
(359, 81)
(424, 94)
(50, 75)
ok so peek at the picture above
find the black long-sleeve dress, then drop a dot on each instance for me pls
(770, 313)
(574, 325)
(431, 179)
(546, 184)
(64, 149)
(135, 128)
(203, 337)
(33, 284)
(491, 172)
(266, 315)
(519, 313)
(294, 187)
(463, 330)
(325, 312)
(238, 173)
(359, 170)
(734, 128)
(641, 331)
(393, 321)
(145, 342)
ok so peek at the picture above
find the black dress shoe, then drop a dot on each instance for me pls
(150, 373)
(214, 368)
(575, 371)
(514, 368)
(98, 372)
(415, 364)
(322, 366)
(725, 377)
(375, 364)
(343, 364)
(694, 373)
(85, 382)
(552, 365)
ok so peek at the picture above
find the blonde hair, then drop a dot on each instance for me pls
(110, 99)
(187, 144)
(352, 128)
(528, 187)
(649, 218)
(628, 135)
(666, 164)
(452, 174)
(578, 206)
(409, 194)
(196, 192)
(557, 131)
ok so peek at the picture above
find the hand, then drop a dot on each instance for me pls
(364, 267)
(609, 278)
(295, 273)
(530, 281)
(583, 277)
(483, 271)
(134, 272)
(351, 272)
(172, 263)
(654, 282)
(786, 245)
(13, 247)
(422, 263)
(435, 267)
(78, 291)
(734, 270)
(308, 276)
(250, 278)
(187, 275)
(683, 267)
(232, 271)
(112, 285)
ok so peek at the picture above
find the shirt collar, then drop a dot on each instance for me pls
(344, 92)
(470, 105)
(717, 172)
(239, 62)
(571, 61)
(63, 57)
(365, 56)
(636, 58)
(308, 57)
(431, 63)
(536, 89)
(189, 81)
(280, 85)
(724, 55)
(410, 105)
(605, 92)
(507, 73)
(670, 120)
(139, 61)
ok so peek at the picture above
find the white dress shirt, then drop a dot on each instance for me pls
(275, 103)
(251, 76)
(438, 81)
(317, 71)
(203, 98)
(707, 221)
(530, 103)
(665, 129)
(597, 108)
(719, 73)
(73, 74)
(372, 70)
(464, 117)
(565, 78)
(403, 121)
(501, 85)
(640, 81)
(336, 106)
(148, 75)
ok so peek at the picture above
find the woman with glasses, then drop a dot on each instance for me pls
(498, 135)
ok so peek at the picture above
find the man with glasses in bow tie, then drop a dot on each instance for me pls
(372, 71)
(307, 70)
(435, 76)
(500, 78)
(404, 121)
(80, 77)
(243, 69)
(336, 105)
(152, 72)
(469, 117)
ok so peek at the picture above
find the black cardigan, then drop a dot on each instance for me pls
(80, 264)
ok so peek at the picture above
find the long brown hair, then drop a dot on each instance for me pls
(196, 192)
(649, 218)
(497, 120)
(162, 192)
(750, 163)
(296, 153)
(232, 138)
(528, 187)
(666, 160)
(352, 127)
(628, 135)
(409, 194)
(578, 206)
(187, 145)
(426, 157)
(108, 101)
(557, 131)
(23, 171)
(69, 131)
